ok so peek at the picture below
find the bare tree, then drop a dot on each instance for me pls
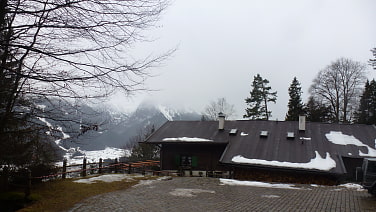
(73, 49)
(219, 106)
(373, 61)
(339, 85)
(67, 51)
(143, 151)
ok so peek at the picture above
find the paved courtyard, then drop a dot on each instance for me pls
(207, 194)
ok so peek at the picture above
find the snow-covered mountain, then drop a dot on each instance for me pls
(118, 127)
(113, 132)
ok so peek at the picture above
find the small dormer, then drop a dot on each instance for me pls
(290, 135)
(233, 131)
(264, 133)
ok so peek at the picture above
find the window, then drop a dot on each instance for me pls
(186, 160)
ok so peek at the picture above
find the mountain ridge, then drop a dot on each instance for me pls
(122, 127)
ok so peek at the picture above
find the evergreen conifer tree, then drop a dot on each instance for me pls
(295, 104)
(367, 109)
(261, 94)
(317, 112)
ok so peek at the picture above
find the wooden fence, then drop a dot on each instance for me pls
(81, 170)
(85, 169)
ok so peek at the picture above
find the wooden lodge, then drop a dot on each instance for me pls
(284, 151)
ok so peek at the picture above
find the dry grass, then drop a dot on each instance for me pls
(61, 195)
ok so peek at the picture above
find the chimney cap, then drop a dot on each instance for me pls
(221, 115)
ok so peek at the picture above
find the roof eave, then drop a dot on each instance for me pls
(282, 168)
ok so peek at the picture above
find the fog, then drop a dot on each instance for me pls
(222, 45)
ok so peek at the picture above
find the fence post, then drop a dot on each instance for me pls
(129, 168)
(5, 180)
(84, 168)
(64, 175)
(116, 165)
(28, 184)
(100, 165)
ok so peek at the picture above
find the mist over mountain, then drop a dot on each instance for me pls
(116, 128)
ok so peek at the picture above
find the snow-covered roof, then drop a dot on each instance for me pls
(189, 131)
(341, 139)
(319, 163)
(318, 148)
(187, 139)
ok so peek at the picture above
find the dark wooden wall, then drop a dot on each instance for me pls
(284, 176)
(350, 165)
(206, 156)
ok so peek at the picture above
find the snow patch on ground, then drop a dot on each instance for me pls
(150, 182)
(341, 139)
(352, 186)
(65, 136)
(42, 107)
(256, 184)
(76, 156)
(50, 126)
(189, 192)
(316, 163)
(94, 156)
(108, 178)
(45, 121)
(187, 139)
(270, 196)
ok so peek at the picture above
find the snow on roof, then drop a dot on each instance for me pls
(306, 139)
(187, 139)
(341, 139)
(243, 134)
(318, 162)
(256, 184)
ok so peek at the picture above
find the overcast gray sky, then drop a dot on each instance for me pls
(221, 45)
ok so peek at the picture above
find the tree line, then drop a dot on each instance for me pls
(340, 93)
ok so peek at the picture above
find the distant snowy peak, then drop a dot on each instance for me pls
(149, 108)
(168, 113)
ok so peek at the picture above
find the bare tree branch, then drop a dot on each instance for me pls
(339, 85)
(219, 106)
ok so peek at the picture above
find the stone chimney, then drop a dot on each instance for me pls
(221, 121)
(302, 123)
